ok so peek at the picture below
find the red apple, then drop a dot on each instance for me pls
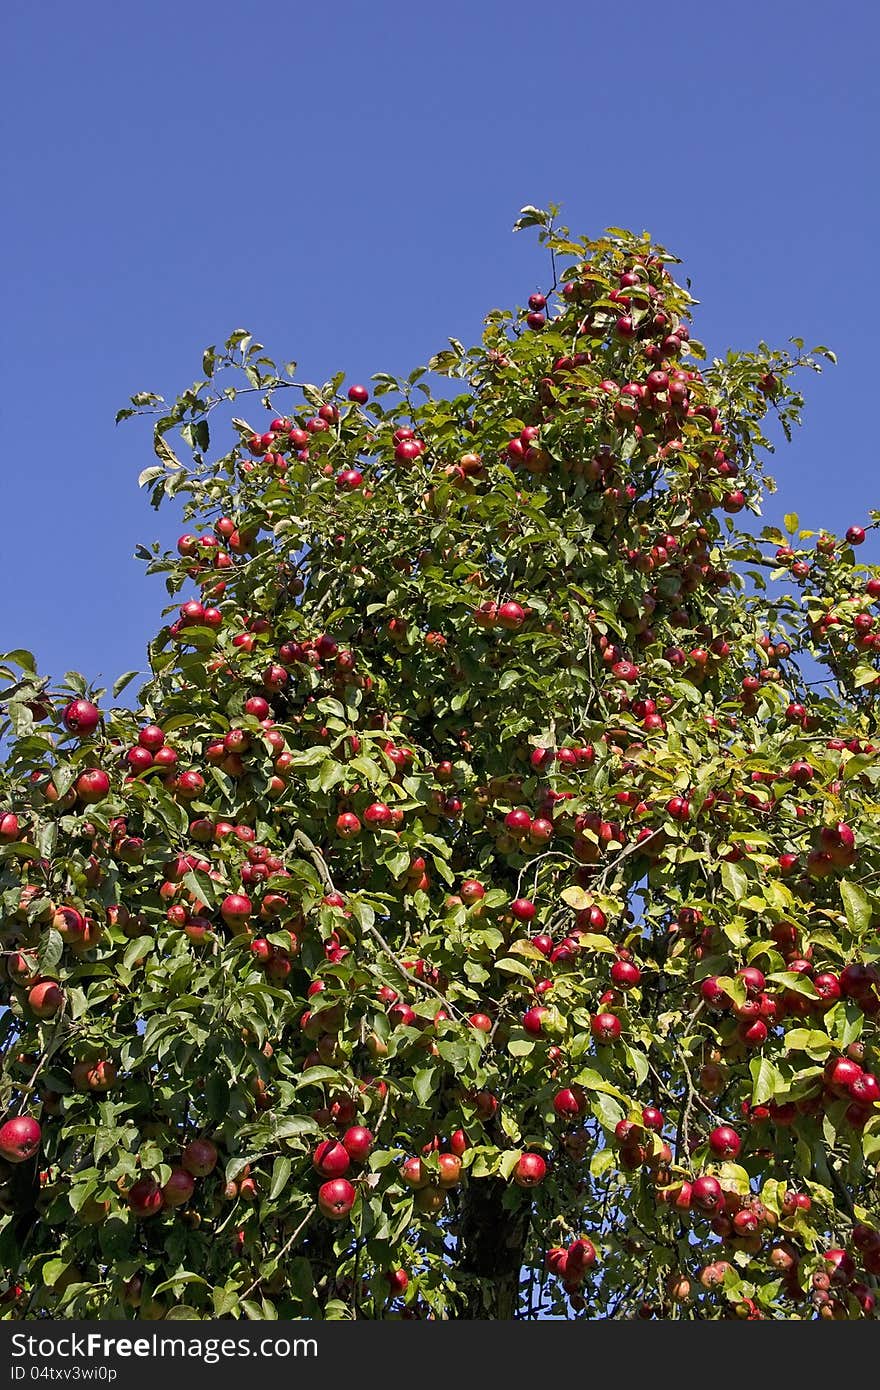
(92, 786)
(45, 999)
(530, 1170)
(706, 1193)
(397, 1279)
(200, 1157)
(358, 1142)
(331, 1159)
(81, 717)
(179, 1188)
(724, 1142)
(336, 1198)
(235, 909)
(20, 1139)
(605, 1027)
(145, 1198)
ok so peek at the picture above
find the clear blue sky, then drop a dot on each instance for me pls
(342, 179)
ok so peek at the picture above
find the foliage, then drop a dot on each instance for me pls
(505, 728)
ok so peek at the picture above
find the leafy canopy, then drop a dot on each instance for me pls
(499, 794)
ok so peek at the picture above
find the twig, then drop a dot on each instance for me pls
(284, 1249)
(408, 974)
(301, 839)
(636, 847)
(28, 1090)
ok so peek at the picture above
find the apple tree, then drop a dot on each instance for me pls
(476, 914)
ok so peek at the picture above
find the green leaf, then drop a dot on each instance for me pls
(120, 684)
(576, 898)
(292, 1126)
(731, 1175)
(424, 1084)
(149, 475)
(865, 675)
(508, 1161)
(316, 1076)
(50, 950)
(590, 941)
(808, 1040)
(639, 1063)
(280, 1176)
(509, 966)
(178, 1280)
(601, 1161)
(857, 907)
(310, 757)
(735, 880)
(608, 1111)
(766, 1081)
(135, 950)
(21, 657)
(796, 984)
(734, 987)
(217, 1096)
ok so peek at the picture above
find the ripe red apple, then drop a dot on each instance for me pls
(179, 1188)
(724, 1142)
(652, 1118)
(523, 909)
(510, 616)
(471, 891)
(397, 1279)
(336, 1198)
(348, 827)
(486, 1103)
(840, 1073)
(557, 1261)
(753, 1033)
(625, 975)
(569, 1102)
(200, 1157)
(358, 1143)
(706, 1193)
(45, 999)
(235, 909)
(145, 1199)
(530, 1170)
(533, 1020)
(518, 822)
(605, 1027)
(581, 1256)
(92, 786)
(402, 1015)
(865, 1089)
(331, 1159)
(81, 717)
(413, 1173)
(20, 1139)
(450, 1170)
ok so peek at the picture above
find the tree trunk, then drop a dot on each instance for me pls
(493, 1239)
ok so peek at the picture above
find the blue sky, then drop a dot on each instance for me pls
(342, 181)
